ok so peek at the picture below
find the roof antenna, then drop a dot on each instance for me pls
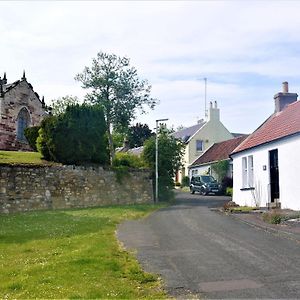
(205, 94)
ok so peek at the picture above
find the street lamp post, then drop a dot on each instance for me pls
(156, 158)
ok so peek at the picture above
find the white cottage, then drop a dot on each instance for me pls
(266, 166)
(200, 137)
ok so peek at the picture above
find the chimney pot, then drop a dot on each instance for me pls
(210, 104)
(285, 87)
(216, 105)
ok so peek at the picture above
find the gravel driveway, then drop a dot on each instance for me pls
(202, 253)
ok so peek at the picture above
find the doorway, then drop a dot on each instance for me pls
(274, 175)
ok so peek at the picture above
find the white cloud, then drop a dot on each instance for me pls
(244, 48)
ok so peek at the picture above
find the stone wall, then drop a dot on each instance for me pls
(26, 188)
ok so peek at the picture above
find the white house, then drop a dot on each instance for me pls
(217, 152)
(200, 137)
(266, 166)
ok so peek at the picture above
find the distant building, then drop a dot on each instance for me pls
(216, 153)
(200, 137)
(266, 166)
(20, 107)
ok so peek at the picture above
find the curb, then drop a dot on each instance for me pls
(286, 234)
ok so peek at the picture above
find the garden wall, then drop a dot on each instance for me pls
(26, 188)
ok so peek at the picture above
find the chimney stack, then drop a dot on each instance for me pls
(284, 98)
(285, 87)
(214, 112)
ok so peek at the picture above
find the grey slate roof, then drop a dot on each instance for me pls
(186, 133)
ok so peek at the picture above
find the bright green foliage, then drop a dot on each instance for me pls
(221, 169)
(229, 191)
(138, 134)
(60, 105)
(116, 87)
(31, 134)
(169, 161)
(128, 160)
(75, 137)
(72, 254)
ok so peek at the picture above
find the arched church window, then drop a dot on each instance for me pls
(23, 122)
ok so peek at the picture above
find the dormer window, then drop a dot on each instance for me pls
(199, 145)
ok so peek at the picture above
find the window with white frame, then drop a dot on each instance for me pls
(247, 172)
(250, 171)
(244, 172)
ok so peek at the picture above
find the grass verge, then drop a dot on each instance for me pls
(18, 157)
(71, 254)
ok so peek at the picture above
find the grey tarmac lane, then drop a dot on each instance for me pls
(201, 253)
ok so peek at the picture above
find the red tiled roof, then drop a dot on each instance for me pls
(278, 125)
(219, 151)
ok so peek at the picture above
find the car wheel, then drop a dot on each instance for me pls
(192, 191)
(203, 192)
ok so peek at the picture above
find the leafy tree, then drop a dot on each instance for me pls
(138, 134)
(74, 137)
(116, 87)
(31, 134)
(60, 104)
(169, 161)
(221, 169)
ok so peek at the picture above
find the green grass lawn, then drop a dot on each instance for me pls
(18, 157)
(71, 254)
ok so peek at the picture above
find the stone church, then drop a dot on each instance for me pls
(20, 107)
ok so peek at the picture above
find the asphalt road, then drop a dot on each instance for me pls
(199, 252)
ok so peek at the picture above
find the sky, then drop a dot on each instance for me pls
(245, 49)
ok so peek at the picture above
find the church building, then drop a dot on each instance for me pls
(20, 107)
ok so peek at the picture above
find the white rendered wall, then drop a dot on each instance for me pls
(289, 174)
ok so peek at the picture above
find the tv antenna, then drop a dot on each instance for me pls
(205, 94)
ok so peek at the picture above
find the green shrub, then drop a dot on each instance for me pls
(31, 134)
(177, 183)
(75, 137)
(185, 181)
(128, 160)
(229, 191)
(272, 217)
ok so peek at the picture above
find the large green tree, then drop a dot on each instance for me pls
(59, 105)
(77, 136)
(170, 153)
(138, 134)
(115, 86)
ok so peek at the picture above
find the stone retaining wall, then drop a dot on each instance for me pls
(26, 188)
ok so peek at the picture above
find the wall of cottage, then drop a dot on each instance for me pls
(17, 96)
(28, 188)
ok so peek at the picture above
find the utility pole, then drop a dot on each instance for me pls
(156, 158)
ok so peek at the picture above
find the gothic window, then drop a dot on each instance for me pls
(23, 122)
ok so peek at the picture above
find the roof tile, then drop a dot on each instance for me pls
(219, 151)
(278, 125)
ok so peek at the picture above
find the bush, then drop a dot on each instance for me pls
(75, 137)
(31, 134)
(229, 191)
(128, 160)
(177, 183)
(272, 217)
(185, 181)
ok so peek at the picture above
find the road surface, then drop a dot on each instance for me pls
(202, 253)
